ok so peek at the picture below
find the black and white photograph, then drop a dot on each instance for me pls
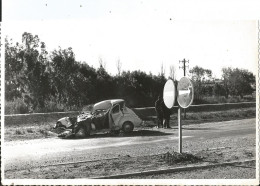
(129, 92)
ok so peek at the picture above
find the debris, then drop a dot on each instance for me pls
(176, 157)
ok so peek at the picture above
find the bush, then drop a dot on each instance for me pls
(16, 107)
(222, 99)
(19, 132)
(51, 106)
(30, 130)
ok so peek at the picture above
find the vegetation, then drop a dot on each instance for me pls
(235, 86)
(40, 81)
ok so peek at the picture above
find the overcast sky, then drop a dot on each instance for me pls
(142, 34)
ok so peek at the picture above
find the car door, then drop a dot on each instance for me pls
(115, 115)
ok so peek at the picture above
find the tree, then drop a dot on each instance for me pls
(238, 82)
(119, 66)
(104, 84)
(102, 63)
(219, 90)
(199, 76)
(14, 66)
(172, 72)
(36, 76)
(64, 76)
(162, 73)
(26, 74)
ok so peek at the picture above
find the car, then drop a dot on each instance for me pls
(108, 115)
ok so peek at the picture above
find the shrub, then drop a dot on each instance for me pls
(19, 132)
(16, 107)
(30, 130)
(51, 106)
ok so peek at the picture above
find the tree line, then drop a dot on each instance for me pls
(40, 81)
(235, 82)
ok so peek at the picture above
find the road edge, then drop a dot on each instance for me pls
(171, 170)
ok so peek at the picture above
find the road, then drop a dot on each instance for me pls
(34, 153)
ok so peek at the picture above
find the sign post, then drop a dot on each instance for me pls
(180, 129)
(185, 97)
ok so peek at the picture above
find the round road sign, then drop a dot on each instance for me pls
(169, 93)
(185, 92)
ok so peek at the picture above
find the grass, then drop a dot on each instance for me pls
(222, 99)
(19, 132)
(18, 106)
(30, 130)
(202, 117)
(34, 131)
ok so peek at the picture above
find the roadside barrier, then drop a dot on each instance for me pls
(143, 113)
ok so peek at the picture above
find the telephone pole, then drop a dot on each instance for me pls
(184, 66)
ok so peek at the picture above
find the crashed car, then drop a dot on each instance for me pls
(108, 115)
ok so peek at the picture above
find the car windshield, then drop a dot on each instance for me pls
(102, 106)
(90, 109)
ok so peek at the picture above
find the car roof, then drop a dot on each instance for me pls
(106, 104)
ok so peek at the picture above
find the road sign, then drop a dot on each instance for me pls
(169, 93)
(185, 92)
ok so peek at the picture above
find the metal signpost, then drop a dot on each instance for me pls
(185, 97)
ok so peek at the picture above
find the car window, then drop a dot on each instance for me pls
(116, 109)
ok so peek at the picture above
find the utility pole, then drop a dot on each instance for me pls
(184, 66)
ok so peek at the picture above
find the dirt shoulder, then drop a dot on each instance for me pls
(128, 164)
(244, 170)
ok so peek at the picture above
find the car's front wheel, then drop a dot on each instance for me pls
(80, 133)
(83, 130)
(128, 127)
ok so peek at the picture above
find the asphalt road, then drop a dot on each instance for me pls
(35, 153)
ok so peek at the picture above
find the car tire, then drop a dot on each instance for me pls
(128, 126)
(80, 133)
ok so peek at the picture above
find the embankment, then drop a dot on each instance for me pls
(143, 113)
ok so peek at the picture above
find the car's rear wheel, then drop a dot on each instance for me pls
(128, 127)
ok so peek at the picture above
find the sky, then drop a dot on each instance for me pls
(143, 35)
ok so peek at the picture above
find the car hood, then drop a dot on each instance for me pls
(83, 116)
